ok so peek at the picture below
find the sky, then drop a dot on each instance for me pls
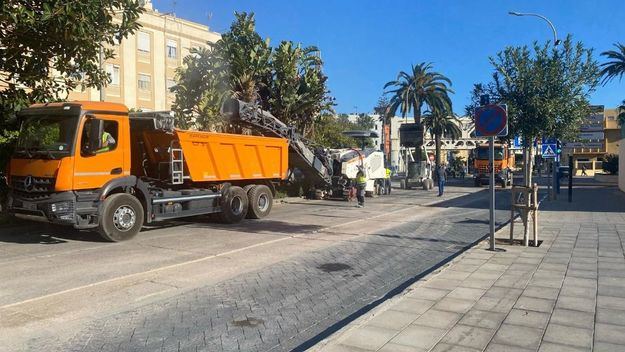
(365, 43)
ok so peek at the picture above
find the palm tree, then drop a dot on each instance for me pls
(616, 66)
(421, 86)
(440, 122)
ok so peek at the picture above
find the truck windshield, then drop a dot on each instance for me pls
(47, 136)
(482, 153)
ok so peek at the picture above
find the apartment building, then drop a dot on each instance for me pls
(599, 135)
(143, 69)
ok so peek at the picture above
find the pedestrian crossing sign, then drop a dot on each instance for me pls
(549, 151)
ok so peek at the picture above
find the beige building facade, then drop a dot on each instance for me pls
(599, 136)
(144, 66)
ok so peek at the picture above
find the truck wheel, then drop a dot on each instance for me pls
(402, 184)
(425, 185)
(122, 217)
(234, 204)
(261, 201)
(247, 188)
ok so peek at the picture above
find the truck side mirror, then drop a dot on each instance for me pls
(94, 130)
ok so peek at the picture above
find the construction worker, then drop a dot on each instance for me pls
(361, 183)
(387, 182)
(107, 142)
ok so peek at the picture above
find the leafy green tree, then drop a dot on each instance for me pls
(197, 92)
(546, 89)
(288, 81)
(621, 113)
(48, 48)
(441, 122)
(410, 91)
(610, 164)
(615, 68)
(365, 122)
(298, 90)
(329, 130)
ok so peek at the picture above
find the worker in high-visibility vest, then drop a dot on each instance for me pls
(361, 183)
(107, 142)
(387, 182)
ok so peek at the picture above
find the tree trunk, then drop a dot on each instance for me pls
(437, 140)
(417, 113)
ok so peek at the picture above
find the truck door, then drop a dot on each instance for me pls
(98, 162)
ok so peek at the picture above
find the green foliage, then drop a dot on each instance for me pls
(621, 114)
(329, 129)
(365, 122)
(383, 108)
(48, 48)
(610, 164)
(410, 91)
(546, 88)
(616, 66)
(287, 81)
(441, 122)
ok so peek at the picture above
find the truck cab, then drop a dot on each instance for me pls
(503, 162)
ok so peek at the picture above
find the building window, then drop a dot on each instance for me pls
(170, 83)
(113, 72)
(172, 49)
(143, 42)
(144, 82)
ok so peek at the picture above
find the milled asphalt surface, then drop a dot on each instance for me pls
(260, 285)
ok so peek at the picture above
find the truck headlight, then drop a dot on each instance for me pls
(61, 207)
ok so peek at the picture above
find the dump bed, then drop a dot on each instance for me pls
(211, 156)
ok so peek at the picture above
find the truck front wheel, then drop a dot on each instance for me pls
(261, 201)
(122, 217)
(234, 205)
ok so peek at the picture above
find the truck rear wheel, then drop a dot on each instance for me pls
(122, 217)
(261, 201)
(234, 204)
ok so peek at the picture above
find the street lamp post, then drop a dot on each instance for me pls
(556, 41)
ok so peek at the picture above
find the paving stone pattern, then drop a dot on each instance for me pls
(283, 305)
(566, 295)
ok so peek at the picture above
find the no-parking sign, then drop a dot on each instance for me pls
(491, 121)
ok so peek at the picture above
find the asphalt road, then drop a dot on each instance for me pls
(275, 284)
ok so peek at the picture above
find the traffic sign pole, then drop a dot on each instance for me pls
(491, 160)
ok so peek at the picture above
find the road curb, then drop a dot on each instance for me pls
(336, 327)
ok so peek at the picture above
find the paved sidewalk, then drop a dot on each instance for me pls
(566, 295)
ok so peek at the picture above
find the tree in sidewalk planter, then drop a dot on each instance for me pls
(48, 48)
(421, 86)
(287, 81)
(546, 90)
(440, 122)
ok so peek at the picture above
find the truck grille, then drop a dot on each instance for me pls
(32, 187)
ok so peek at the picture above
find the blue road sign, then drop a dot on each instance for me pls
(491, 121)
(549, 151)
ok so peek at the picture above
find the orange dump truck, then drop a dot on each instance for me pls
(504, 160)
(93, 165)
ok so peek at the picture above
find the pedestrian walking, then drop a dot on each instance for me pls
(440, 173)
(361, 183)
(584, 170)
(387, 182)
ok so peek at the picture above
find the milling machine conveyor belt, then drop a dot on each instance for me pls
(313, 166)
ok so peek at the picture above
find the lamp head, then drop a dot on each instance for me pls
(513, 13)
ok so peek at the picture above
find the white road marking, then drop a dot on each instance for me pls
(172, 266)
